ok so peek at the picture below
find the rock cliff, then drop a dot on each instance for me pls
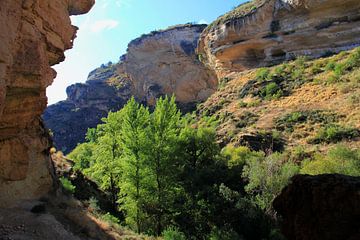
(34, 35)
(159, 63)
(267, 32)
(320, 207)
(104, 91)
(164, 62)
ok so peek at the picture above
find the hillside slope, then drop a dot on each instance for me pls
(309, 103)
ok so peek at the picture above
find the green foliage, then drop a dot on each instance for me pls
(236, 156)
(223, 234)
(267, 175)
(173, 233)
(82, 155)
(333, 133)
(110, 219)
(67, 185)
(289, 121)
(262, 74)
(340, 160)
(271, 91)
(330, 66)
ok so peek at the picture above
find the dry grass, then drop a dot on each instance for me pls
(315, 93)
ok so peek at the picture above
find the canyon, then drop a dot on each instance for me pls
(191, 62)
(156, 64)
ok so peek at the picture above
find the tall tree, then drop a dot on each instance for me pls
(163, 135)
(134, 141)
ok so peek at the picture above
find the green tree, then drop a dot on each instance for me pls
(267, 176)
(163, 135)
(134, 141)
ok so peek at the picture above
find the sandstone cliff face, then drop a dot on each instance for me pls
(267, 32)
(165, 62)
(34, 35)
(104, 91)
(156, 64)
(320, 207)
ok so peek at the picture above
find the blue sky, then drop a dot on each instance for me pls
(107, 29)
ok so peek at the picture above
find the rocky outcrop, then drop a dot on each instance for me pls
(156, 64)
(323, 207)
(34, 35)
(267, 32)
(164, 62)
(105, 90)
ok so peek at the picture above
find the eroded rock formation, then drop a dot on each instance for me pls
(164, 62)
(34, 35)
(266, 32)
(323, 207)
(104, 91)
(159, 63)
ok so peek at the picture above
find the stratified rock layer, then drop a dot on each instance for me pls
(34, 35)
(323, 207)
(157, 64)
(266, 32)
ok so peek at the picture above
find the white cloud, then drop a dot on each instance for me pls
(105, 24)
(202, 21)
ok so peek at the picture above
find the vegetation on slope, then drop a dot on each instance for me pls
(214, 174)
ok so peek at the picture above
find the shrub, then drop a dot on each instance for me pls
(289, 121)
(267, 176)
(262, 74)
(340, 160)
(110, 219)
(173, 233)
(354, 59)
(67, 185)
(223, 234)
(330, 66)
(271, 91)
(334, 133)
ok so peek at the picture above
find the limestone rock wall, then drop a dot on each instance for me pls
(34, 35)
(165, 62)
(267, 32)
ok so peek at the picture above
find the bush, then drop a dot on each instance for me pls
(289, 121)
(173, 233)
(267, 176)
(334, 133)
(330, 66)
(67, 185)
(262, 74)
(271, 91)
(223, 234)
(110, 219)
(340, 160)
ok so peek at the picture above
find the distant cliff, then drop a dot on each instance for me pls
(267, 32)
(159, 63)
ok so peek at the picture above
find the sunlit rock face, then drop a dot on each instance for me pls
(272, 31)
(165, 62)
(156, 64)
(34, 35)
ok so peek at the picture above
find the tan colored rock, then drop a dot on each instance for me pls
(34, 35)
(267, 32)
(165, 62)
